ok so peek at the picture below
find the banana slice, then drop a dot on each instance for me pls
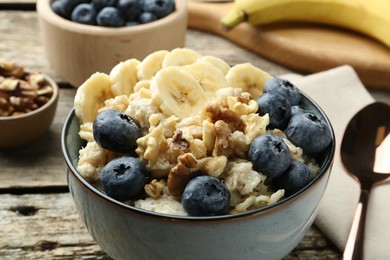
(176, 92)
(151, 64)
(210, 77)
(217, 62)
(249, 78)
(124, 77)
(90, 97)
(180, 57)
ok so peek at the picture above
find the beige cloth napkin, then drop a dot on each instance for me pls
(341, 94)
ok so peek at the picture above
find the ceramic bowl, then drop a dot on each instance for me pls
(21, 130)
(125, 232)
(76, 51)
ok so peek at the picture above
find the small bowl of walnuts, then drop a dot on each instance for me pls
(81, 37)
(28, 102)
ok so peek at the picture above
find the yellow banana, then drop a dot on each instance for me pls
(370, 17)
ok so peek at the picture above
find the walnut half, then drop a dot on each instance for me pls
(182, 173)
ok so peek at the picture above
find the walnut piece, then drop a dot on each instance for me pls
(21, 92)
(6, 107)
(223, 140)
(178, 143)
(182, 173)
(10, 69)
(220, 113)
(155, 188)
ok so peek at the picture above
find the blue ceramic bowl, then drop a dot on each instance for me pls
(126, 232)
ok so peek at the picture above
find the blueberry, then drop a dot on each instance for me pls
(59, 8)
(64, 8)
(309, 132)
(110, 17)
(205, 196)
(269, 155)
(285, 88)
(298, 110)
(123, 178)
(85, 14)
(294, 179)
(131, 9)
(147, 18)
(116, 131)
(131, 23)
(159, 8)
(277, 107)
(100, 4)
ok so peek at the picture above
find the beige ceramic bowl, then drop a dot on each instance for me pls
(21, 130)
(76, 51)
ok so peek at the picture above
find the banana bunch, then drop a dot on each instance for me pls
(371, 18)
(181, 81)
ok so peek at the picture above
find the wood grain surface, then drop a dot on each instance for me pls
(37, 217)
(302, 47)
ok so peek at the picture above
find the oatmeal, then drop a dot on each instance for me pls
(197, 117)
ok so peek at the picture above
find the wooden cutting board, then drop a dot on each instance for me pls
(305, 48)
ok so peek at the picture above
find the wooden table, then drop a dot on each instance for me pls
(37, 216)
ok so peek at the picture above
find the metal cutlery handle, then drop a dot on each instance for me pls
(354, 247)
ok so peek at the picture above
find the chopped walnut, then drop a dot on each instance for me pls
(226, 115)
(198, 148)
(241, 105)
(213, 166)
(36, 80)
(152, 145)
(255, 125)
(178, 143)
(223, 139)
(21, 92)
(6, 108)
(209, 136)
(9, 84)
(182, 173)
(10, 69)
(155, 188)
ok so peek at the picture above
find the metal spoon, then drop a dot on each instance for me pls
(365, 144)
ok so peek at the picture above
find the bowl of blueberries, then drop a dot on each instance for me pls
(246, 198)
(81, 37)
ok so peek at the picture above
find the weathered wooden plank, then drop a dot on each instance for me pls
(42, 227)
(47, 226)
(21, 42)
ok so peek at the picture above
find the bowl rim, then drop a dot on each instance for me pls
(52, 100)
(46, 13)
(325, 167)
